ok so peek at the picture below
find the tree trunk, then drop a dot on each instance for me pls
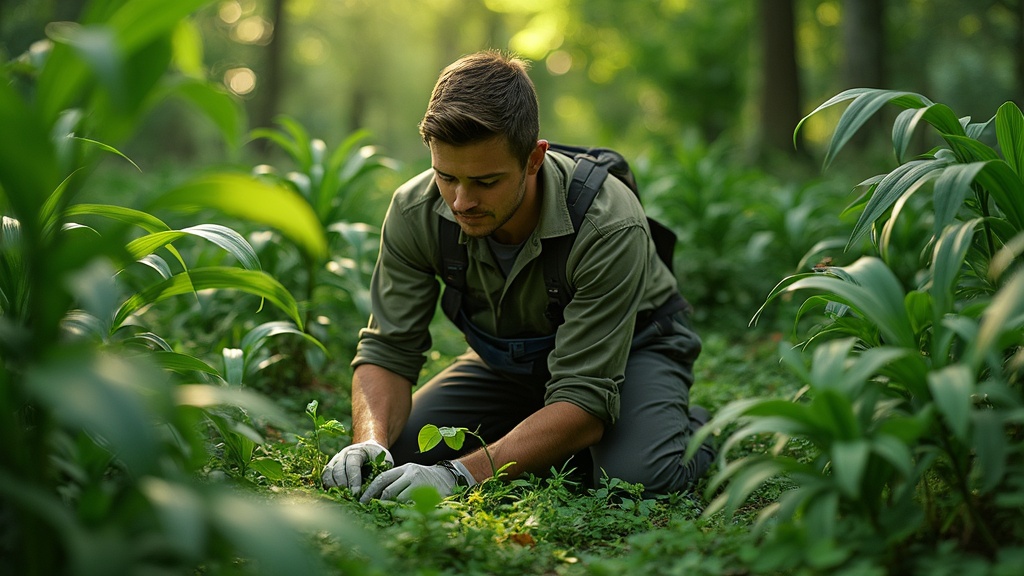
(270, 100)
(780, 77)
(863, 33)
(1020, 52)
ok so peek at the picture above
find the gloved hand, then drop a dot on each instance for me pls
(397, 483)
(346, 468)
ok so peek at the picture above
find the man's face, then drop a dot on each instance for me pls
(483, 184)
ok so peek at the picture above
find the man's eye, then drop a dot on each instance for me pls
(488, 183)
(445, 178)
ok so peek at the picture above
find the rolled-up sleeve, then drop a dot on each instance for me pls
(404, 296)
(592, 345)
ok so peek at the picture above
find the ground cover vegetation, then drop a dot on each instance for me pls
(173, 348)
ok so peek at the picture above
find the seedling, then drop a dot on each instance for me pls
(431, 435)
(321, 426)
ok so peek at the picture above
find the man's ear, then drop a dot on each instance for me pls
(536, 159)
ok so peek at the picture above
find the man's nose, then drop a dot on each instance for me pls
(464, 200)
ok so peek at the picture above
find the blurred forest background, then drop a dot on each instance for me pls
(268, 187)
(634, 75)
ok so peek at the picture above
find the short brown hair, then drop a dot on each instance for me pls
(480, 96)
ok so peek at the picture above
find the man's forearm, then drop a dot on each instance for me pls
(381, 401)
(544, 439)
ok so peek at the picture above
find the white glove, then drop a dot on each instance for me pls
(397, 483)
(346, 468)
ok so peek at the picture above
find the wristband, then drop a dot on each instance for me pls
(460, 478)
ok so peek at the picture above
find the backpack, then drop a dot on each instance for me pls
(593, 165)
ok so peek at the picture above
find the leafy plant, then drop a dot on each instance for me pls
(431, 435)
(912, 399)
(321, 427)
(102, 446)
(333, 184)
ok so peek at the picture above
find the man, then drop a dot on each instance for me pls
(614, 376)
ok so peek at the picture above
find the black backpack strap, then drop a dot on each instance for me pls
(587, 178)
(454, 261)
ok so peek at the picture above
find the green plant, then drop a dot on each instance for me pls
(321, 427)
(912, 399)
(335, 286)
(431, 435)
(98, 475)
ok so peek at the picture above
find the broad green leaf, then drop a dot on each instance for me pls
(234, 366)
(180, 510)
(951, 389)
(895, 452)
(187, 49)
(277, 137)
(726, 415)
(970, 150)
(903, 180)
(875, 293)
(745, 476)
(255, 200)
(232, 242)
(849, 460)
(80, 323)
(249, 281)
(866, 366)
(1010, 135)
(903, 130)
(991, 445)
(216, 103)
(256, 405)
(157, 263)
(908, 429)
(952, 187)
(150, 340)
(836, 412)
(261, 533)
(863, 107)
(1006, 188)
(428, 437)
(947, 263)
(97, 46)
(920, 310)
(28, 163)
(143, 220)
(271, 469)
(453, 437)
(939, 116)
(255, 338)
(139, 22)
(105, 396)
(425, 499)
(977, 130)
(849, 94)
(179, 362)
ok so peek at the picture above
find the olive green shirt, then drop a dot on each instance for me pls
(613, 266)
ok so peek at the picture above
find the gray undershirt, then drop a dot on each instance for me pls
(505, 254)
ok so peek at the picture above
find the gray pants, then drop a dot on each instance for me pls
(645, 445)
